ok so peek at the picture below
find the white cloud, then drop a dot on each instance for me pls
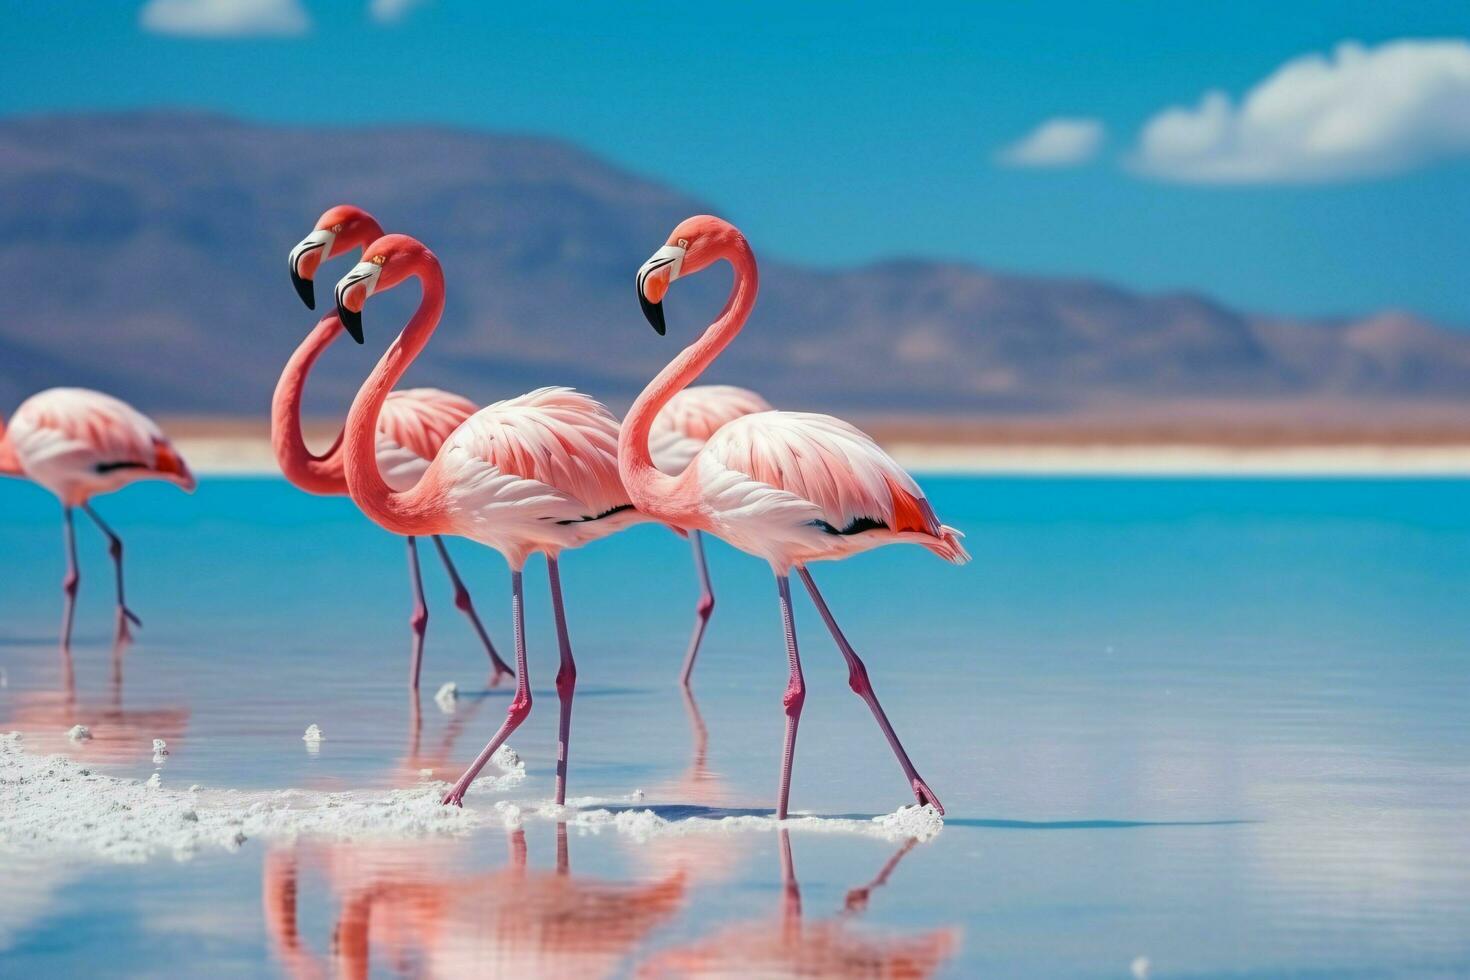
(1059, 142)
(391, 11)
(225, 18)
(1362, 112)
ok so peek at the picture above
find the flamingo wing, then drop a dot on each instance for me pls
(822, 472)
(67, 438)
(546, 458)
(672, 451)
(684, 425)
(412, 427)
(701, 411)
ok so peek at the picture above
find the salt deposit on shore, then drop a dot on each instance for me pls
(252, 457)
(920, 822)
(52, 804)
(447, 697)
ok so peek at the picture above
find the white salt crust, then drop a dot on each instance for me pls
(447, 697)
(54, 804)
(920, 822)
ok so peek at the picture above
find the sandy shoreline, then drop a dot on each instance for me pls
(240, 455)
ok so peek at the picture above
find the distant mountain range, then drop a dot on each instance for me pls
(146, 254)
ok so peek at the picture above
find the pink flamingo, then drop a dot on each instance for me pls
(789, 487)
(531, 474)
(679, 432)
(80, 444)
(413, 425)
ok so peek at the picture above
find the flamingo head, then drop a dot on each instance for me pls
(385, 263)
(696, 243)
(338, 230)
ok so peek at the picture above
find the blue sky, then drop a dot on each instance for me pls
(837, 133)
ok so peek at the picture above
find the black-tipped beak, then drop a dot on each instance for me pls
(351, 322)
(317, 241)
(669, 255)
(352, 319)
(304, 288)
(653, 311)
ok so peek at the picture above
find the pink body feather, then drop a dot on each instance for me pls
(535, 473)
(686, 423)
(79, 444)
(412, 428)
(795, 487)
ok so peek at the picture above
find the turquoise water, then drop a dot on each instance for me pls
(1220, 724)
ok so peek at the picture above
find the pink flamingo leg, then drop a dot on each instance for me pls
(115, 549)
(418, 620)
(73, 577)
(566, 680)
(702, 611)
(857, 679)
(520, 705)
(464, 604)
(794, 697)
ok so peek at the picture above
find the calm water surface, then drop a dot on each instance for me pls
(1218, 724)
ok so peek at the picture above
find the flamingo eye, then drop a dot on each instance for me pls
(337, 229)
(378, 259)
(683, 243)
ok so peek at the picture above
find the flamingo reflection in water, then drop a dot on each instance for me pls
(707, 860)
(423, 915)
(437, 758)
(793, 947)
(117, 734)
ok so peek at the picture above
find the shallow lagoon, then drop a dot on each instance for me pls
(1219, 724)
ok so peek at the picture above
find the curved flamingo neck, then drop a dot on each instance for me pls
(312, 473)
(651, 490)
(303, 468)
(411, 511)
